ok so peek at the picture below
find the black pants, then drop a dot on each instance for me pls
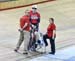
(32, 43)
(52, 42)
(37, 26)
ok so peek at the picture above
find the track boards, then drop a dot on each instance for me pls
(32, 54)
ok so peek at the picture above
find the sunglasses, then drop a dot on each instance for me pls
(34, 8)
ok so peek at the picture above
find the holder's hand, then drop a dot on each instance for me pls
(20, 30)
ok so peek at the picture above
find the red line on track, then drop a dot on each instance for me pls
(26, 5)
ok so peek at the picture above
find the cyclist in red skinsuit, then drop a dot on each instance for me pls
(35, 17)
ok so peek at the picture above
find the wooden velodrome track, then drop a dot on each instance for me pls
(62, 11)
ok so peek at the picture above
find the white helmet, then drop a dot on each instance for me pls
(34, 6)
